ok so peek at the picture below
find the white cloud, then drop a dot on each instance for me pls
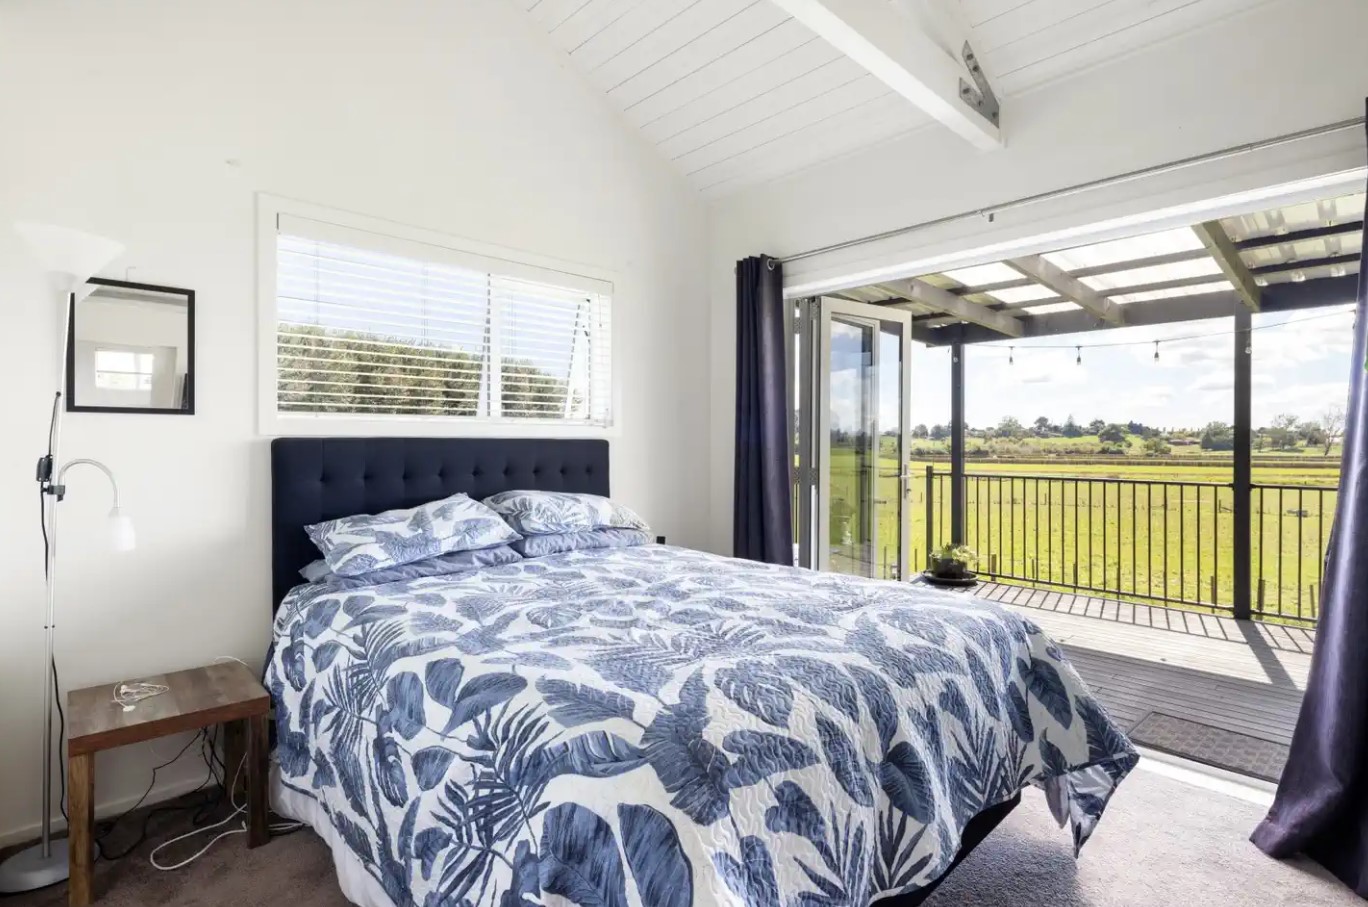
(1308, 401)
(1225, 381)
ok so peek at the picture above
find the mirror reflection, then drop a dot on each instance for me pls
(132, 349)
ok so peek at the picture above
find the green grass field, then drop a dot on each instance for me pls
(1162, 528)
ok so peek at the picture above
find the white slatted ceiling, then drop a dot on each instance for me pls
(732, 91)
(735, 92)
(1026, 44)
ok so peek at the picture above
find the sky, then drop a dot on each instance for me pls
(1301, 366)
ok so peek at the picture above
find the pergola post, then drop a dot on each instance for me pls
(957, 483)
(1243, 550)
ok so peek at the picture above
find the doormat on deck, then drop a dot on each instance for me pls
(1203, 743)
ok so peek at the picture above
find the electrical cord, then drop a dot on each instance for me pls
(56, 683)
(276, 828)
(142, 835)
(61, 740)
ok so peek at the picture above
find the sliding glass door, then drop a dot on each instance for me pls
(853, 401)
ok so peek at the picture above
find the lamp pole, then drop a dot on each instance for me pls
(70, 258)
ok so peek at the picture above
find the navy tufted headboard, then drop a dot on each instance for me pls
(314, 479)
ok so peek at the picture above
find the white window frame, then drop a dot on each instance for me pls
(378, 234)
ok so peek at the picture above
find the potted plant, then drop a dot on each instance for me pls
(952, 565)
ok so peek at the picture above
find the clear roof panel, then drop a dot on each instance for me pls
(1322, 247)
(1050, 308)
(1178, 270)
(1298, 275)
(979, 275)
(1023, 294)
(1128, 249)
(1326, 212)
(1215, 286)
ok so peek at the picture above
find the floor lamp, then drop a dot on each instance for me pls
(70, 258)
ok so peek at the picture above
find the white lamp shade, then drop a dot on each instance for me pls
(121, 534)
(71, 257)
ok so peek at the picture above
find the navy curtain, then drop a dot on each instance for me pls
(762, 513)
(1321, 808)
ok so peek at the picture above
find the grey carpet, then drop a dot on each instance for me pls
(1162, 842)
(1216, 746)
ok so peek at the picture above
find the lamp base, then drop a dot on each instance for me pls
(29, 869)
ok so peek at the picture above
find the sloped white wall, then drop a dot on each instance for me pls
(1277, 68)
(156, 122)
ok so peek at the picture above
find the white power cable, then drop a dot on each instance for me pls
(277, 827)
(128, 695)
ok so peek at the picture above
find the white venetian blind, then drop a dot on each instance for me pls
(387, 327)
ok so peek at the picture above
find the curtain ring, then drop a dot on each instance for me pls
(769, 264)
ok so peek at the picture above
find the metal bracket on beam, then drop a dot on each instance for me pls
(979, 95)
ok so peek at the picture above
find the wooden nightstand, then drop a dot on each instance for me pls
(225, 693)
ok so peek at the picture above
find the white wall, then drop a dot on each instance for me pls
(156, 122)
(1278, 68)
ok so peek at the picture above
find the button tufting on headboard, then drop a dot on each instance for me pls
(315, 479)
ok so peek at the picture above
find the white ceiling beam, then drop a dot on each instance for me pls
(932, 297)
(1219, 244)
(899, 52)
(1071, 288)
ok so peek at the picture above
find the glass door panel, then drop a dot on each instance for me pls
(859, 439)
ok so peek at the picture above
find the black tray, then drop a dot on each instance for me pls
(950, 582)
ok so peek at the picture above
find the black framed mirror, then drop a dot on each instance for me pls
(131, 349)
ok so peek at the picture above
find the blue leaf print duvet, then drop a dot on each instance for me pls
(658, 727)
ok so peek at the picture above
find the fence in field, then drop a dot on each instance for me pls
(1158, 541)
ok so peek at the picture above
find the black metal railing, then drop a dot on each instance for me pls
(1287, 520)
(1167, 542)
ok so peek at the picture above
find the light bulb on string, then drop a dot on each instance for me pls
(1078, 353)
(1156, 351)
(1011, 355)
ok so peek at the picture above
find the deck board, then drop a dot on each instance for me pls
(1241, 676)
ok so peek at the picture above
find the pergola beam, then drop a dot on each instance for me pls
(932, 297)
(897, 50)
(1070, 287)
(1283, 297)
(1222, 249)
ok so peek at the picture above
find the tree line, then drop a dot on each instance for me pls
(325, 370)
(1287, 432)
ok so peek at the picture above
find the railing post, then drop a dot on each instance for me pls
(930, 512)
(957, 527)
(1243, 472)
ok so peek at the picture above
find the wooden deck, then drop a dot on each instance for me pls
(1242, 676)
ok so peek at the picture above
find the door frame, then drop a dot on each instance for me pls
(814, 434)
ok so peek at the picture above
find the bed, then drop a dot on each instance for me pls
(646, 726)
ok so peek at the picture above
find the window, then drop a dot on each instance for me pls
(123, 370)
(388, 328)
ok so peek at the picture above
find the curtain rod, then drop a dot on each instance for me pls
(991, 210)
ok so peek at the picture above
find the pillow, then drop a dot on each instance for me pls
(441, 565)
(364, 543)
(316, 571)
(544, 512)
(583, 539)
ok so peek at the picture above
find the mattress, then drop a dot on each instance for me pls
(660, 727)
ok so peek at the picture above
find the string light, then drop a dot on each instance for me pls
(1156, 351)
(1011, 350)
(1078, 352)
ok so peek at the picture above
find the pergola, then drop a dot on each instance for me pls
(1280, 259)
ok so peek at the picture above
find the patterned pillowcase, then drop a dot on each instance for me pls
(365, 543)
(441, 565)
(547, 512)
(557, 543)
